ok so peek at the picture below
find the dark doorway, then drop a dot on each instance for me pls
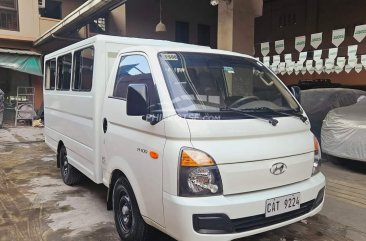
(182, 32)
(203, 35)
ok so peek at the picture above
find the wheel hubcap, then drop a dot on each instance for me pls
(65, 165)
(125, 213)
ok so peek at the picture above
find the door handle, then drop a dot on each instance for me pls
(105, 125)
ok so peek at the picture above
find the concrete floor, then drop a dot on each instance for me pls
(36, 205)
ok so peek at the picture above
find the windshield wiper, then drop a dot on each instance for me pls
(293, 113)
(272, 121)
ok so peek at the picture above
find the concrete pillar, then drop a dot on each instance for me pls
(236, 24)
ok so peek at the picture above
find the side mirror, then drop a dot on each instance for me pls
(296, 91)
(137, 100)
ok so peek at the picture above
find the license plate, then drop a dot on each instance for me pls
(284, 204)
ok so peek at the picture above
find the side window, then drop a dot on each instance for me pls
(50, 75)
(134, 69)
(64, 72)
(83, 69)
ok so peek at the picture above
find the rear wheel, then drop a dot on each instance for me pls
(70, 175)
(129, 222)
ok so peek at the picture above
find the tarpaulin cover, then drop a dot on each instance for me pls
(344, 132)
(318, 102)
(30, 64)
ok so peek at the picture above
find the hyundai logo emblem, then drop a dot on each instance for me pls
(278, 168)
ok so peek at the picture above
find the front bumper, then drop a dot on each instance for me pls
(181, 212)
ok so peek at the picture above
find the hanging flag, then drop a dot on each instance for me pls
(303, 56)
(328, 71)
(338, 69)
(265, 48)
(329, 63)
(317, 54)
(274, 69)
(298, 66)
(316, 40)
(338, 36)
(290, 67)
(276, 60)
(300, 43)
(319, 71)
(267, 58)
(332, 53)
(358, 68)
(348, 68)
(288, 58)
(282, 67)
(352, 50)
(309, 65)
(341, 62)
(352, 61)
(303, 70)
(363, 60)
(360, 32)
(319, 64)
(279, 46)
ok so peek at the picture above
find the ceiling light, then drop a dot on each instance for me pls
(160, 27)
(214, 2)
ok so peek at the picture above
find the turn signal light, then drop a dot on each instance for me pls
(154, 155)
(195, 158)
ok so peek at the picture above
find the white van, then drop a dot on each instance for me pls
(201, 144)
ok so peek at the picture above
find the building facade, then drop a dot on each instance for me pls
(29, 29)
(287, 19)
(21, 23)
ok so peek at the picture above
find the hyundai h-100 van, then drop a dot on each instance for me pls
(201, 144)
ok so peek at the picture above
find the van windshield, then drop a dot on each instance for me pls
(227, 86)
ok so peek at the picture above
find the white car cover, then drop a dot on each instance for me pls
(343, 132)
(318, 102)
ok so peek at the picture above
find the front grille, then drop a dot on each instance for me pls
(260, 221)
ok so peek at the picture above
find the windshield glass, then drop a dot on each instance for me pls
(201, 83)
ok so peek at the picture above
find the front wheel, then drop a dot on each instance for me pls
(129, 222)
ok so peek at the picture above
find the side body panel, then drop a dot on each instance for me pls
(69, 117)
(126, 147)
(74, 117)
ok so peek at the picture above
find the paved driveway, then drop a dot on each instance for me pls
(36, 205)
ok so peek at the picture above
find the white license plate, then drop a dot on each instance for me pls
(284, 204)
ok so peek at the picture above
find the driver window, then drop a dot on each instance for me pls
(134, 69)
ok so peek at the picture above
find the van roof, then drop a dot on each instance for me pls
(126, 41)
(186, 48)
(142, 44)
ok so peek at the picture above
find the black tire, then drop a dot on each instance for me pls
(129, 222)
(70, 175)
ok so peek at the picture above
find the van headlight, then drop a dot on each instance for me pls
(317, 157)
(198, 174)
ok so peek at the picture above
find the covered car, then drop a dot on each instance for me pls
(318, 102)
(343, 131)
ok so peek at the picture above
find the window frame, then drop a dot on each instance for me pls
(14, 10)
(115, 79)
(55, 74)
(74, 69)
(57, 70)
